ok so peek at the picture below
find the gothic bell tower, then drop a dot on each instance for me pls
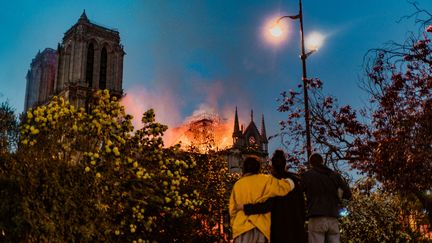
(90, 58)
(246, 142)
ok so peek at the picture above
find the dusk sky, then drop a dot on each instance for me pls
(183, 56)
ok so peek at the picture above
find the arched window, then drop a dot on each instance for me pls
(103, 69)
(89, 66)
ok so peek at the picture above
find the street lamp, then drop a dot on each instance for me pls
(315, 42)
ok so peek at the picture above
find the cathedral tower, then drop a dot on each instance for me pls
(90, 57)
(246, 142)
(41, 78)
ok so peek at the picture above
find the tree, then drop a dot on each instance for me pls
(379, 216)
(400, 86)
(337, 131)
(11, 223)
(86, 176)
(391, 139)
(207, 222)
(8, 128)
(89, 176)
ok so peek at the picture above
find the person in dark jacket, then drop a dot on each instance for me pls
(324, 189)
(287, 212)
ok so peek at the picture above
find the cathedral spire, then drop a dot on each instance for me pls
(251, 115)
(236, 123)
(263, 129)
(83, 17)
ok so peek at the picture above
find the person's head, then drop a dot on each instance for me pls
(278, 161)
(316, 160)
(251, 165)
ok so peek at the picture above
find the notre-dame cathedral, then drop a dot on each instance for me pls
(90, 57)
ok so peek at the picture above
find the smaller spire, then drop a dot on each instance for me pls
(251, 115)
(263, 129)
(236, 123)
(83, 17)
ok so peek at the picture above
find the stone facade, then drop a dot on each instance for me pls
(41, 78)
(89, 58)
(247, 142)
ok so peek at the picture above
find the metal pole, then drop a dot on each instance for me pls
(305, 86)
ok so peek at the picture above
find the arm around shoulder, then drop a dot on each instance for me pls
(280, 187)
(258, 208)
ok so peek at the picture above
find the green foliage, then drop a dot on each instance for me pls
(12, 226)
(88, 176)
(8, 128)
(212, 179)
(381, 217)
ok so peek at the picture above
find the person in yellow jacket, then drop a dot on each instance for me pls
(253, 188)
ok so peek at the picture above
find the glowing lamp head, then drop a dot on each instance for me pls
(314, 41)
(276, 31)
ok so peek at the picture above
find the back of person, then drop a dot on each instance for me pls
(322, 185)
(287, 212)
(321, 193)
(254, 188)
(288, 215)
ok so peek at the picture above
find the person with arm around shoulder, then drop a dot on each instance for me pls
(253, 187)
(287, 212)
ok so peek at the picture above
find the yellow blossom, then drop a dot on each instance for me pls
(116, 151)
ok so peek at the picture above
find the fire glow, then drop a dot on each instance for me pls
(204, 131)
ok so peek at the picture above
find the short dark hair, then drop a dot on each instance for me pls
(279, 161)
(251, 165)
(316, 159)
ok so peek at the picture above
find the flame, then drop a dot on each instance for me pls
(203, 131)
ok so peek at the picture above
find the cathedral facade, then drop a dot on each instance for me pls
(89, 58)
(249, 141)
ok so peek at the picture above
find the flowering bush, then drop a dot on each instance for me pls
(86, 175)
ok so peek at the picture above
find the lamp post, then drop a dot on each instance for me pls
(277, 31)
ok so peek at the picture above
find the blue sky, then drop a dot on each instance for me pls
(192, 54)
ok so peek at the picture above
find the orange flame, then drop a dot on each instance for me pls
(203, 131)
